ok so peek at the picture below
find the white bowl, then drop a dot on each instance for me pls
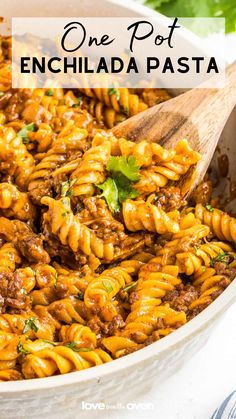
(123, 379)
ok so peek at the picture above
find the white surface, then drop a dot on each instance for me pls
(198, 388)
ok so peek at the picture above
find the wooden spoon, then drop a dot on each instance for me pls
(198, 115)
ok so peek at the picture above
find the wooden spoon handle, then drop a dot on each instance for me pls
(215, 106)
(198, 115)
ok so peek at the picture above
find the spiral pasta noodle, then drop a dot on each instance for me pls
(39, 180)
(16, 323)
(79, 334)
(140, 215)
(221, 224)
(202, 255)
(10, 375)
(211, 285)
(15, 159)
(71, 232)
(91, 170)
(14, 203)
(61, 359)
(101, 290)
(104, 115)
(121, 100)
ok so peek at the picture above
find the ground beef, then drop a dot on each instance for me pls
(29, 244)
(43, 188)
(222, 269)
(181, 298)
(153, 338)
(101, 328)
(170, 199)
(202, 194)
(12, 294)
(13, 103)
(97, 215)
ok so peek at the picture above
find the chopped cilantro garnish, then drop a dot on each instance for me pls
(21, 349)
(79, 101)
(1, 94)
(113, 91)
(209, 208)
(66, 187)
(223, 257)
(124, 109)
(126, 166)
(119, 187)
(110, 193)
(49, 92)
(72, 345)
(107, 286)
(24, 132)
(30, 324)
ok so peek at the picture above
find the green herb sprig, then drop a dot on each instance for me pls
(30, 324)
(119, 186)
(72, 345)
(113, 91)
(24, 132)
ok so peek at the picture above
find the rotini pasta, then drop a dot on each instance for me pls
(121, 100)
(61, 360)
(14, 203)
(16, 161)
(221, 224)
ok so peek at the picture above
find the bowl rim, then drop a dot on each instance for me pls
(154, 350)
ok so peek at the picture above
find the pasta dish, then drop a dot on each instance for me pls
(100, 254)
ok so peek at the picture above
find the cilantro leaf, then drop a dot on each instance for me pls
(125, 188)
(223, 257)
(49, 92)
(128, 167)
(21, 349)
(23, 133)
(79, 101)
(201, 8)
(113, 91)
(209, 208)
(66, 187)
(30, 324)
(119, 187)
(72, 345)
(110, 193)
